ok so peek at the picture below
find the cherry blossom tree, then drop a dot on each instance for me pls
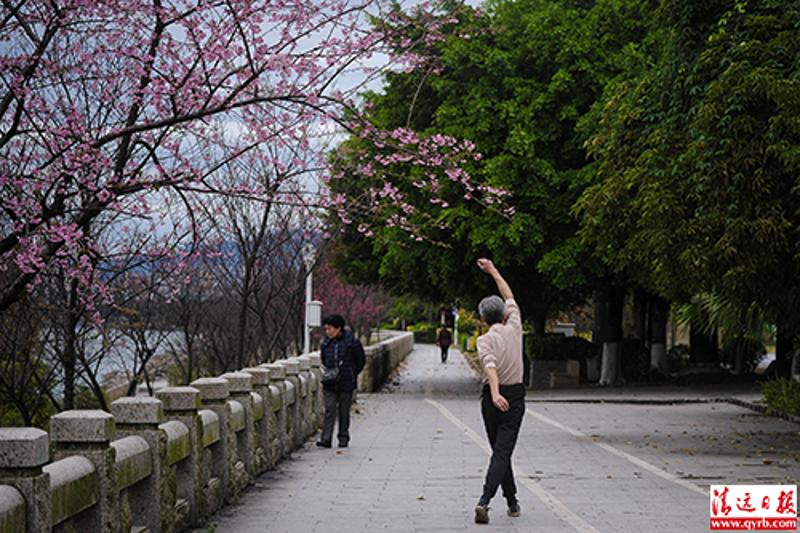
(107, 108)
(137, 138)
(362, 306)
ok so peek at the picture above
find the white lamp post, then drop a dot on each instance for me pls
(455, 327)
(309, 253)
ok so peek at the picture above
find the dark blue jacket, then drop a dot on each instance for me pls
(347, 350)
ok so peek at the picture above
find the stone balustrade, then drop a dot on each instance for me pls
(382, 358)
(165, 464)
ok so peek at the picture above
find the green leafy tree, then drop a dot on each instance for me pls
(515, 81)
(697, 159)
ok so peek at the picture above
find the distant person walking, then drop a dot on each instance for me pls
(503, 395)
(444, 339)
(343, 358)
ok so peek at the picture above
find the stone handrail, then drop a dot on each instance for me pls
(73, 487)
(383, 357)
(165, 464)
(12, 509)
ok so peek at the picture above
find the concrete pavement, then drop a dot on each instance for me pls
(418, 455)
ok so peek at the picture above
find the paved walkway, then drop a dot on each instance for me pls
(418, 455)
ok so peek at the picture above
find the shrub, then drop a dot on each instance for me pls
(424, 332)
(635, 360)
(678, 357)
(782, 395)
(468, 321)
(557, 347)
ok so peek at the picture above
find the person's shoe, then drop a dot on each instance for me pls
(481, 514)
(323, 444)
(513, 509)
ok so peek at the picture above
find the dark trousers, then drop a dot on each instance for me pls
(502, 430)
(337, 402)
(444, 353)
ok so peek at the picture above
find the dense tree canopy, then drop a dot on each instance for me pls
(515, 81)
(697, 150)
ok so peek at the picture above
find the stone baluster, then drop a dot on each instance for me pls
(240, 385)
(262, 405)
(141, 416)
(295, 419)
(278, 387)
(214, 394)
(23, 453)
(319, 399)
(88, 433)
(305, 398)
(181, 404)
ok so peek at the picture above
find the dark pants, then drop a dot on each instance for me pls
(337, 402)
(502, 430)
(444, 353)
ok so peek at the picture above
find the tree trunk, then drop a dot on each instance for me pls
(611, 365)
(189, 358)
(740, 351)
(641, 304)
(69, 355)
(538, 321)
(659, 316)
(241, 331)
(794, 357)
(784, 345)
(704, 347)
(599, 316)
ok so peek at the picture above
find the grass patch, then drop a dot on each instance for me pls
(782, 395)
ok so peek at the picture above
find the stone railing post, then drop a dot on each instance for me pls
(88, 433)
(306, 400)
(319, 398)
(181, 404)
(263, 426)
(293, 402)
(214, 394)
(23, 453)
(240, 385)
(365, 378)
(141, 416)
(278, 388)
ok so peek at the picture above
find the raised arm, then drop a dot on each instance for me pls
(487, 266)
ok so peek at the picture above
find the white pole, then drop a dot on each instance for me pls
(306, 328)
(455, 330)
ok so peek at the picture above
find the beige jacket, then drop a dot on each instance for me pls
(501, 347)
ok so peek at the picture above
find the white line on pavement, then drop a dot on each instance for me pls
(616, 451)
(553, 503)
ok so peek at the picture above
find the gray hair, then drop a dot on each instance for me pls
(492, 309)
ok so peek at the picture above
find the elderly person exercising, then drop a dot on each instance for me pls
(503, 396)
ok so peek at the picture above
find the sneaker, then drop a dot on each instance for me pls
(323, 444)
(481, 514)
(513, 509)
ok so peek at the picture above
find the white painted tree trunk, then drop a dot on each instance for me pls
(738, 365)
(658, 358)
(609, 367)
(795, 369)
(593, 369)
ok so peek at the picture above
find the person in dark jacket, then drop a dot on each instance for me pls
(444, 339)
(340, 349)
